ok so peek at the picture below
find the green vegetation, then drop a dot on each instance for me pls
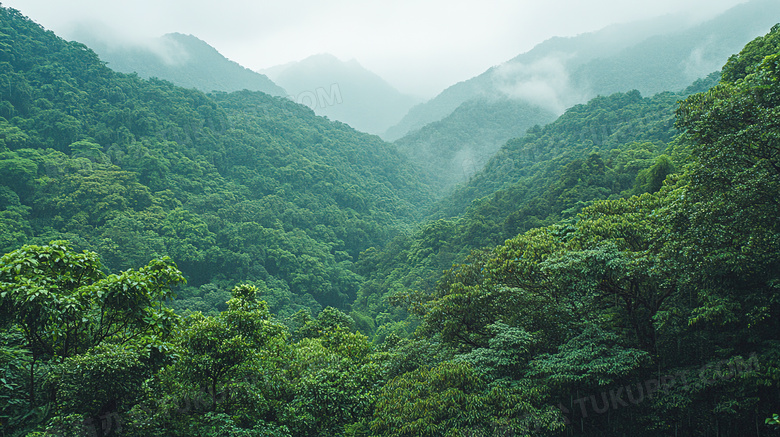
(457, 146)
(469, 121)
(234, 187)
(621, 276)
(610, 148)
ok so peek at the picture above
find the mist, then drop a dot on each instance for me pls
(102, 38)
(418, 48)
(545, 82)
(191, 247)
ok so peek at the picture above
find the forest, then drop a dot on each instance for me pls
(178, 263)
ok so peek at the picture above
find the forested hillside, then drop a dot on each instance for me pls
(171, 255)
(605, 125)
(609, 148)
(235, 187)
(651, 315)
(652, 56)
(460, 144)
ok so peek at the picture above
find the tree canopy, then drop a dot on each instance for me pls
(182, 264)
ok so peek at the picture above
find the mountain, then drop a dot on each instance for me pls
(543, 69)
(662, 54)
(343, 91)
(560, 71)
(594, 151)
(640, 127)
(460, 144)
(643, 283)
(234, 187)
(669, 62)
(181, 59)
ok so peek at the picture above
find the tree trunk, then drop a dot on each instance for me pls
(214, 394)
(32, 381)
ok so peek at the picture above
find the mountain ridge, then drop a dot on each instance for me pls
(184, 60)
(344, 91)
(562, 72)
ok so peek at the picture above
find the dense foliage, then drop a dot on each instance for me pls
(609, 148)
(651, 315)
(234, 187)
(470, 120)
(642, 299)
(457, 146)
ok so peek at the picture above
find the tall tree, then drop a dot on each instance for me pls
(64, 303)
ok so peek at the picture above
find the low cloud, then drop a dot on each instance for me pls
(105, 39)
(171, 52)
(545, 82)
(703, 59)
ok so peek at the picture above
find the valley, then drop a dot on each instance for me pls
(581, 241)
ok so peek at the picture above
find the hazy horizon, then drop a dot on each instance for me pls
(444, 43)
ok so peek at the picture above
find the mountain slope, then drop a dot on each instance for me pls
(564, 66)
(460, 144)
(663, 283)
(550, 59)
(595, 151)
(663, 54)
(181, 59)
(234, 187)
(669, 62)
(343, 91)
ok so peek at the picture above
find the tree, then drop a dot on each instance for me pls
(331, 377)
(450, 399)
(65, 305)
(101, 383)
(726, 216)
(222, 369)
(215, 349)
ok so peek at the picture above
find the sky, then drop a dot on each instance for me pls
(419, 46)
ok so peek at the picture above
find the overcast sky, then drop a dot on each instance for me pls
(419, 46)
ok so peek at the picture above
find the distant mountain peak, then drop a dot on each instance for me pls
(475, 117)
(183, 59)
(344, 91)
